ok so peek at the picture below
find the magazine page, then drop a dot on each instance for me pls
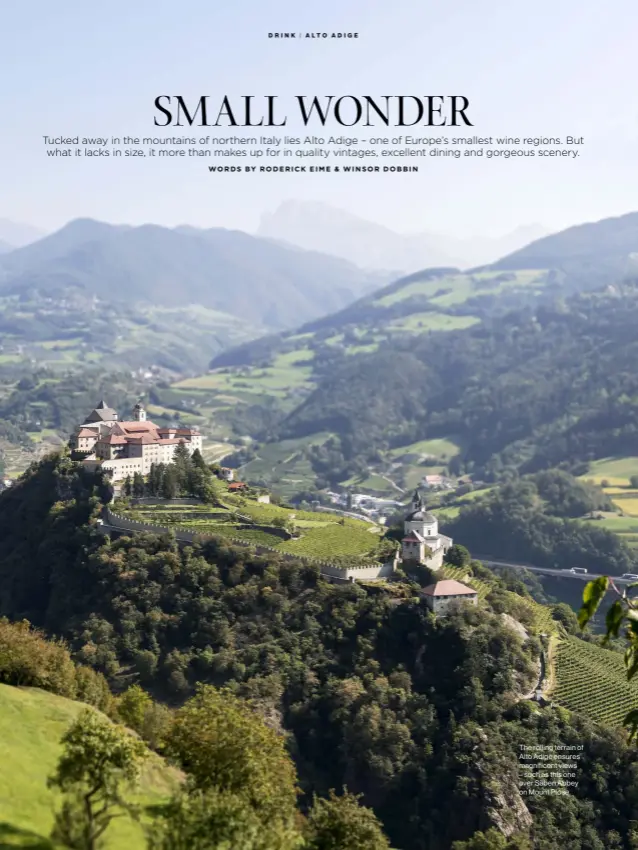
(318, 426)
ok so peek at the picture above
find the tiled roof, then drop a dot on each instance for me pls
(448, 587)
(145, 439)
(86, 432)
(138, 427)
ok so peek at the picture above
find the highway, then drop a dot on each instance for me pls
(550, 572)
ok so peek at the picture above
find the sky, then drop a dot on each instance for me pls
(541, 69)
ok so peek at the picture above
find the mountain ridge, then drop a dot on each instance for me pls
(220, 269)
(318, 226)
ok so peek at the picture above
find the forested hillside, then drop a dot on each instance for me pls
(554, 386)
(420, 715)
(518, 522)
(519, 366)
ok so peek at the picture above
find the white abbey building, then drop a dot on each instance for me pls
(422, 530)
(124, 447)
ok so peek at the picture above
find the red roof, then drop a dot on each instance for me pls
(87, 432)
(448, 587)
(137, 427)
(113, 439)
(237, 485)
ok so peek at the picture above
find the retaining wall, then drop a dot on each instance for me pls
(155, 500)
(366, 572)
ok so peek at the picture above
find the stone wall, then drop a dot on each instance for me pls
(155, 500)
(368, 572)
(435, 561)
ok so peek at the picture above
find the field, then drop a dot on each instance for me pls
(616, 471)
(324, 536)
(615, 474)
(283, 460)
(76, 329)
(288, 371)
(31, 724)
(441, 447)
(431, 321)
(592, 681)
(454, 289)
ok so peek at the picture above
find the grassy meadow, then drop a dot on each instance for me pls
(31, 725)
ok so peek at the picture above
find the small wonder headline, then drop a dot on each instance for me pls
(347, 110)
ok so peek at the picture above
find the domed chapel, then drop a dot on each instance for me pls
(422, 533)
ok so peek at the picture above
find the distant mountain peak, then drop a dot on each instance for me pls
(16, 234)
(315, 225)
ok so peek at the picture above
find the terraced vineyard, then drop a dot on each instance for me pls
(323, 536)
(542, 614)
(592, 681)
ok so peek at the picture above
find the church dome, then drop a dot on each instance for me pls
(420, 516)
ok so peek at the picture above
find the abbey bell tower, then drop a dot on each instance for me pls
(139, 414)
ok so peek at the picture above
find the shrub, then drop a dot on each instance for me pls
(27, 658)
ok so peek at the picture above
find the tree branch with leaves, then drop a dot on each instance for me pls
(623, 610)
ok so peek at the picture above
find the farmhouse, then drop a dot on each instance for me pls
(124, 447)
(438, 597)
(422, 543)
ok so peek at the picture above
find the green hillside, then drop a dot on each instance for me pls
(72, 329)
(31, 725)
(589, 254)
(553, 386)
(257, 280)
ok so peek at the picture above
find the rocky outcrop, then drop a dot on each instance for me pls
(506, 809)
(503, 805)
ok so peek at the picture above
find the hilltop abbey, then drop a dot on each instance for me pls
(124, 447)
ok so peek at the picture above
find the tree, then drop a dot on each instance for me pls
(341, 823)
(458, 556)
(221, 743)
(138, 485)
(623, 610)
(98, 761)
(132, 706)
(199, 461)
(565, 615)
(127, 486)
(217, 820)
(493, 840)
(170, 485)
(182, 460)
(155, 479)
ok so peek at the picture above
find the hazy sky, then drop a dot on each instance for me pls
(547, 68)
